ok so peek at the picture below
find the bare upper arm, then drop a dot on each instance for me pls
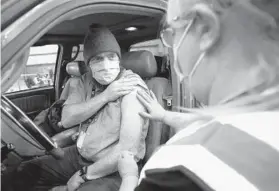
(131, 122)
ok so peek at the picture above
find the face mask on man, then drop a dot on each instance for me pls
(105, 71)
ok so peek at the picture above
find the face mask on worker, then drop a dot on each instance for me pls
(167, 37)
(105, 69)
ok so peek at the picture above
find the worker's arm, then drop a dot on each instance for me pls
(178, 120)
(130, 134)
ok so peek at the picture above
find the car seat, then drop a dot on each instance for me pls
(144, 64)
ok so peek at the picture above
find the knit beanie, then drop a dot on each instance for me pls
(99, 39)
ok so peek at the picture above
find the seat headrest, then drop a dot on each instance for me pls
(76, 68)
(141, 62)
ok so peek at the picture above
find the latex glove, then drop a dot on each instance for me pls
(155, 110)
(127, 165)
(74, 182)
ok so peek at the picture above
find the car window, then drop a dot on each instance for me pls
(40, 69)
(155, 46)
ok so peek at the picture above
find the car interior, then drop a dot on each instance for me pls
(129, 29)
(59, 27)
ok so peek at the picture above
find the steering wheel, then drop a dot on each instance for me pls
(19, 118)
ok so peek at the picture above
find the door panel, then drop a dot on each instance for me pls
(32, 102)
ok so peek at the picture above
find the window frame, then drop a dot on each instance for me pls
(41, 87)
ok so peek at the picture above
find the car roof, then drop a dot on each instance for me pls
(147, 26)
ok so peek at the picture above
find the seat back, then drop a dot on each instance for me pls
(74, 69)
(144, 64)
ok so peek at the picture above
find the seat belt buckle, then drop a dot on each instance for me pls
(168, 99)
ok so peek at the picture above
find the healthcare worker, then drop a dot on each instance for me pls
(228, 54)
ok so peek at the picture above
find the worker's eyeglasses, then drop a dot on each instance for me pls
(168, 34)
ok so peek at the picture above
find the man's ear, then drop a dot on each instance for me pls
(211, 26)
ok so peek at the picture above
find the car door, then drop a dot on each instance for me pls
(33, 91)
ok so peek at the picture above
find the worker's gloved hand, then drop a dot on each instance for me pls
(155, 110)
(127, 165)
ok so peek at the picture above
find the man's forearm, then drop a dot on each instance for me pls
(129, 183)
(106, 165)
(178, 120)
(74, 114)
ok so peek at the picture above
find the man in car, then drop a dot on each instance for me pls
(104, 103)
(227, 50)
